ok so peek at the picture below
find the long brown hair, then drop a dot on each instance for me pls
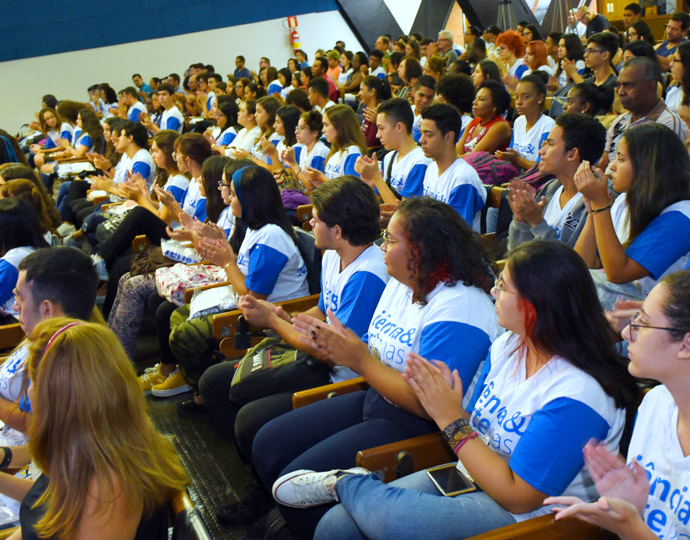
(90, 426)
(345, 122)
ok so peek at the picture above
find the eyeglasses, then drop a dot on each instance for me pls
(221, 184)
(590, 51)
(500, 48)
(388, 239)
(634, 326)
(176, 155)
(300, 128)
(500, 286)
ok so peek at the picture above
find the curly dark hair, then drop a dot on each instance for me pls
(443, 248)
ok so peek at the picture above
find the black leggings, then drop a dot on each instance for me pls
(137, 221)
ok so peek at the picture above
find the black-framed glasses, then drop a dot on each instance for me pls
(634, 326)
(223, 184)
(590, 51)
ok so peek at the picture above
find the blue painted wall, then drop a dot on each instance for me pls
(41, 27)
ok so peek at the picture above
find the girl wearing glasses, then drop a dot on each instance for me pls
(542, 394)
(645, 234)
(648, 497)
(436, 304)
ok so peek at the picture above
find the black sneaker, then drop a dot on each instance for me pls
(189, 407)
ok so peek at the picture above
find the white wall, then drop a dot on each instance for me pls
(68, 75)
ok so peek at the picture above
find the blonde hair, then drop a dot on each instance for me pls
(22, 188)
(348, 130)
(90, 426)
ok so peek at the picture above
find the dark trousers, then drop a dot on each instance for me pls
(137, 221)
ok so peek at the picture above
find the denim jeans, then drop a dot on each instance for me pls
(408, 508)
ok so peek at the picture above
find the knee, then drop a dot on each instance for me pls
(214, 384)
(336, 524)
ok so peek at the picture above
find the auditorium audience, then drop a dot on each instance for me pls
(310, 126)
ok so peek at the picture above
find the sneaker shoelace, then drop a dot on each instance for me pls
(313, 488)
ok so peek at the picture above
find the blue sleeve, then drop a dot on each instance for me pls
(543, 137)
(414, 184)
(298, 153)
(350, 165)
(142, 168)
(173, 123)
(562, 427)
(176, 192)
(322, 302)
(512, 141)
(227, 139)
(8, 280)
(265, 265)
(381, 75)
(466, 202)
(85, 140)
(520, 71)
(460, 345)
(479, 387)
(200, 209)
(134, 115)
(49, 144)
(665, 240)
(318, 163)
(359, 299)
(66, 135)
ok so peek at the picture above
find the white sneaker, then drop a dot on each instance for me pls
(304, 488)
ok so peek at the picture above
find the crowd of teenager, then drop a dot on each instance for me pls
(532, 369)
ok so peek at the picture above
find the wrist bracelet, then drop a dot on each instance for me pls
(457, 432)
(7, 459)
(463, 441)
(231, 262)
(593, 211)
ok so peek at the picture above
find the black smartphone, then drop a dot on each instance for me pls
(450, 481)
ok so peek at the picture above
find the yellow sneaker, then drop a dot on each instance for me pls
(173, 385)
(150, 378)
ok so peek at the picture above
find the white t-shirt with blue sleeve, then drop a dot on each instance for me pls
(226, 137)
(142, 163)
(655, 446)
(663, 247)
(460, 187)
(211, 100)
(540, 424)
(177, 185)
(226, 221)
(316, 159)
(407, 174)
(258, 151)
(352, 294)
(274, 87)
(527, 143)
(9, 273)
(134, 112)
(84, 140)
(273, 264)
(456, 326)
(194, 203)
(342, 163)
(172, 119)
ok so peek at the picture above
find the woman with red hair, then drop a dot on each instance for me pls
(510, 50)
(536, 57)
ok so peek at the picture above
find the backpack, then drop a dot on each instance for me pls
(491, 170)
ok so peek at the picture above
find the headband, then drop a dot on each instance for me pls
(56, 334)
(236, 178)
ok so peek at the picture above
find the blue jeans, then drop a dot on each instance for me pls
(61, 199)
(410, 507)
(327, 435)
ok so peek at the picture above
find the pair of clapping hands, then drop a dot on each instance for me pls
(589, 180)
